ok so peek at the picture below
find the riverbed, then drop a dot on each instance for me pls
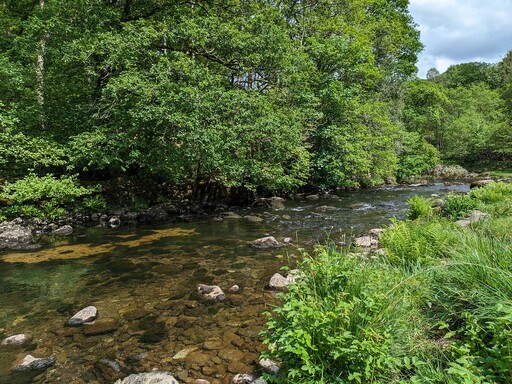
(143, 281)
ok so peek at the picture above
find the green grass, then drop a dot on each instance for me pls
(437, 308)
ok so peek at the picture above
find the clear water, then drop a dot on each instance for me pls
(145, 279)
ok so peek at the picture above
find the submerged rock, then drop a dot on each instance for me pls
(84, 316)
(149, 378)
(100, 327)
(211, 292)
(266, 242)
(18, 339)
(31, 363)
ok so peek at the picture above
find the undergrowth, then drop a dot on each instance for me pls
(437, 308)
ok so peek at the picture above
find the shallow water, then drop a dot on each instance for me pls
(143, 281)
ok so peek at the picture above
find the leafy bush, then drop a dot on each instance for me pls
(419, 207)
(416, 156)
(338, 324)
(457, 206)
(45, 197)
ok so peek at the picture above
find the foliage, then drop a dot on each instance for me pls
(456, 206)
(46, 196)
(335, 324)
(415, 156)
(419, 207)
(440, 302)
(251, 94)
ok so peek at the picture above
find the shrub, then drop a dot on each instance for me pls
(45, 197)
(457, 206)
(340, 324)
(419, 207)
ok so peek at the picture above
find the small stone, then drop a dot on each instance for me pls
(234, 288)
(183, 353)
(287, 240)
(200, 381)
(211, 292)
(243, 378)
(109, 369)
(65, 230)
(265, 243)
(325, 208)
(31, 363)
(278, 282)
(254, 219)
(269, 366)
(84, 316)
(19, 339)
(364, 241)
(149, 378)
(114, 222)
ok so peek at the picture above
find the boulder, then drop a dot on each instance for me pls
(276, 202)
(14, 236)
(451, 172)
(266, 242)
(16, 340)
(154, 214)
(472, 218)
(31, 363)
(148, 378)
(312, 197)
(211, 292)
(83, 316)
(480, 183)
(65, 230)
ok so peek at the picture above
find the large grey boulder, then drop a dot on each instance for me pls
(31, 363)
(83, 316)
(14, 236)
(149, 378)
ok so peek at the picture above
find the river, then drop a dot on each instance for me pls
(143, 281)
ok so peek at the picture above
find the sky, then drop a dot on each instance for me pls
(461, 31)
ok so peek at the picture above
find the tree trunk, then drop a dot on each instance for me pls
(40, 73)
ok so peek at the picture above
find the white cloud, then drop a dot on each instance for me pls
(458, 31)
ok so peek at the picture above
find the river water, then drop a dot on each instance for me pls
(143, 281)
